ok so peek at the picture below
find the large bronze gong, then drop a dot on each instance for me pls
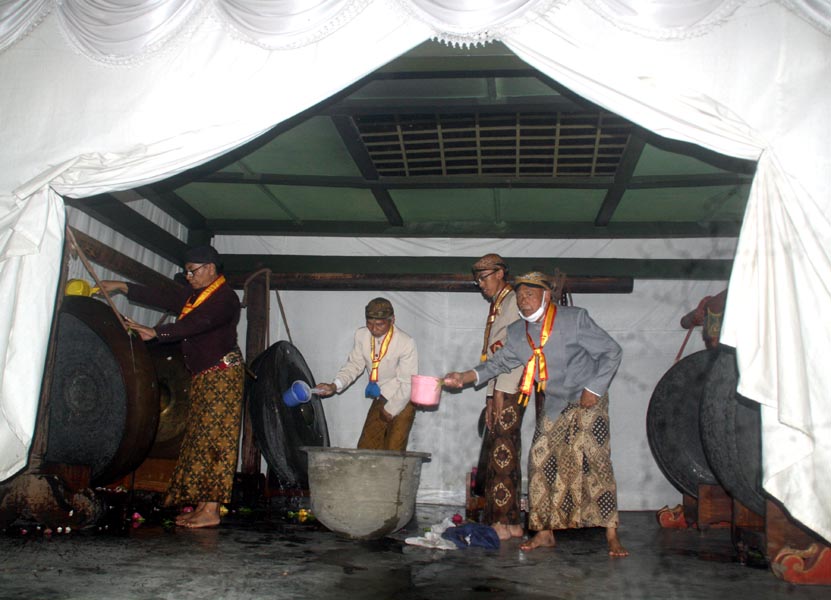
(672, 424)
(731, 433)
(173, 379)
(104, 400)
(281, 430)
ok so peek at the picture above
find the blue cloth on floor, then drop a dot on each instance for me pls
(472, 534)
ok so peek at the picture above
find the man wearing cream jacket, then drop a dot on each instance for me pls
(390, 358)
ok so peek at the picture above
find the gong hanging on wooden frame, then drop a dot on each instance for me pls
(672, 424)
(173, 379)
(281, 430)
(103, 399)
(731, 433)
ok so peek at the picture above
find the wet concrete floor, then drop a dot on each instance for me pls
(260, 556)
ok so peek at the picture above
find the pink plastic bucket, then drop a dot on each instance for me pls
(425, 390)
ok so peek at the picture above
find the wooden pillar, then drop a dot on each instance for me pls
(745, 518)
(255, 343)
(715, 507)
(690, 509)
(748, 534)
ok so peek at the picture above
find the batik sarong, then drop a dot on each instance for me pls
(571, 482)
(503, 481)
(208, 457)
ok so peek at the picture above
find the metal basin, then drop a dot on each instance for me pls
(363, 494)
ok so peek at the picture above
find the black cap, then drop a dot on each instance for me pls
(202, 255)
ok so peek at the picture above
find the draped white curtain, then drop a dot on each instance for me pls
(98, 97)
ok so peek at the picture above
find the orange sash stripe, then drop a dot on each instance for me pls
(537, 360)
(376, 359)
(204, 295)
(494, 310)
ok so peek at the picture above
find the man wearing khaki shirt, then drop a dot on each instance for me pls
(503, 415)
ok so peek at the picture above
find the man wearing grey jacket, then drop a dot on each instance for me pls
(572, 361)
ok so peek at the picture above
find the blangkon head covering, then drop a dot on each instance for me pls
(489, 262)
(534, 278)
(379, 308)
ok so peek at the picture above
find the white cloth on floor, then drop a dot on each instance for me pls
(433, 539)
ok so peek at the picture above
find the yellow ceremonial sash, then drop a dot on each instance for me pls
(494, 310)
(203, 295)
(376, 359)
(537, 360)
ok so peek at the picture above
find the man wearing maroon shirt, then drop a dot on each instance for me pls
(206, 327)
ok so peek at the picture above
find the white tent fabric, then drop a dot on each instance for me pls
(100, 97)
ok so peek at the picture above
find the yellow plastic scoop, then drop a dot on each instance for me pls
(79, 287)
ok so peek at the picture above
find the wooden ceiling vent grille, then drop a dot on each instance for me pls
(510, 145)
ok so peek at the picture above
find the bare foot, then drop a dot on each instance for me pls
(203, 519)
(502, 530)
(542, 539)
(183, 518)
(205, 515)
(516, 531)
(189, 510)
(616, 549)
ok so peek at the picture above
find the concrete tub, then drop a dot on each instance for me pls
(363, 494)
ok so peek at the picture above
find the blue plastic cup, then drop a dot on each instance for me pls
(298, 393)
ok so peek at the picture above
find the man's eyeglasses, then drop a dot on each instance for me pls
(480, 277)
(192, 272)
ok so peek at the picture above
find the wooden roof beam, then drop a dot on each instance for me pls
(623, 176)
(352, 139)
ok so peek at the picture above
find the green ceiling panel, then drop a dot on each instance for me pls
(724, 203)
(231, 201)
(534, 205)
(441, 89)
(508, 87)
(655, 161)
(502, 205)
(312, 148)
(731, 206)
(328, 204)
(444, 205)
